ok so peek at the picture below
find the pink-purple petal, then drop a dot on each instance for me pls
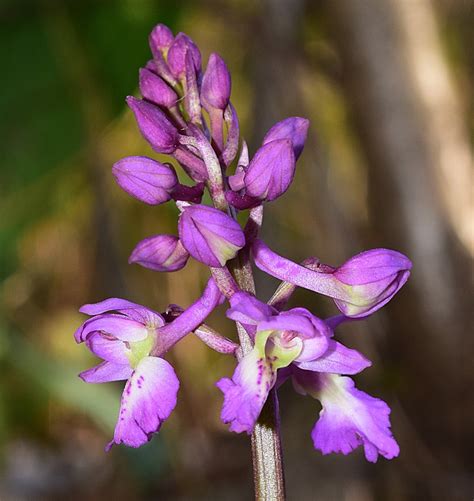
(106, 372)
(148, 399)
(337, 359)
(349, 417)
(117, 326)
(246, 393)
(107, 348)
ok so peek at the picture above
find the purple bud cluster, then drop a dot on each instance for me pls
(186, 113)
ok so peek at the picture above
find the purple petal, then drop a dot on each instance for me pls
(160, 38)
(209, 235)
(107, 348)
(160, 253)
(294, 128)
(349, 417)
(117, 326)
(106, 372)
(154, 125)
(155, 89)
(216, 83)
(336, 360)
(131, 310)
(177, 55)
(247, 309)
(372, 266)
(271, 170)
(145, 179)
(111, 304)
(246, 393)
(148, 399)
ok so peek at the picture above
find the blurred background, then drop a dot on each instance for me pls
(387, 86)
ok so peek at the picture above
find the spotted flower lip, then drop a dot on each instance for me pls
(359, 287)
(145, 179)
(209, 235)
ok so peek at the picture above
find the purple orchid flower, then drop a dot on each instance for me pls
(359, 287)
(295, 337)
(131, 340)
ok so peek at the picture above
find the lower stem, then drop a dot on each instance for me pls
(268, 473)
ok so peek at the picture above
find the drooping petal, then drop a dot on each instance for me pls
(117, 326)
(148, 399)
(160, 253)
(209, 235)
(106, 372)
(294, 128)
(337, 359)
(145, 179)
(349, 417)
(108, 348)
(246, 393)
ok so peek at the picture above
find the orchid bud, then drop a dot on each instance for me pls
(160, 253)
(155, 89)
(160, 39)
(373, 277)
(294, 128)
(216, 84)
(145, 179)
(154, 125)
(271, 170)
(177, 55)
(209, 235)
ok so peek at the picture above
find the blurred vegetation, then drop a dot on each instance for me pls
(66, 231)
